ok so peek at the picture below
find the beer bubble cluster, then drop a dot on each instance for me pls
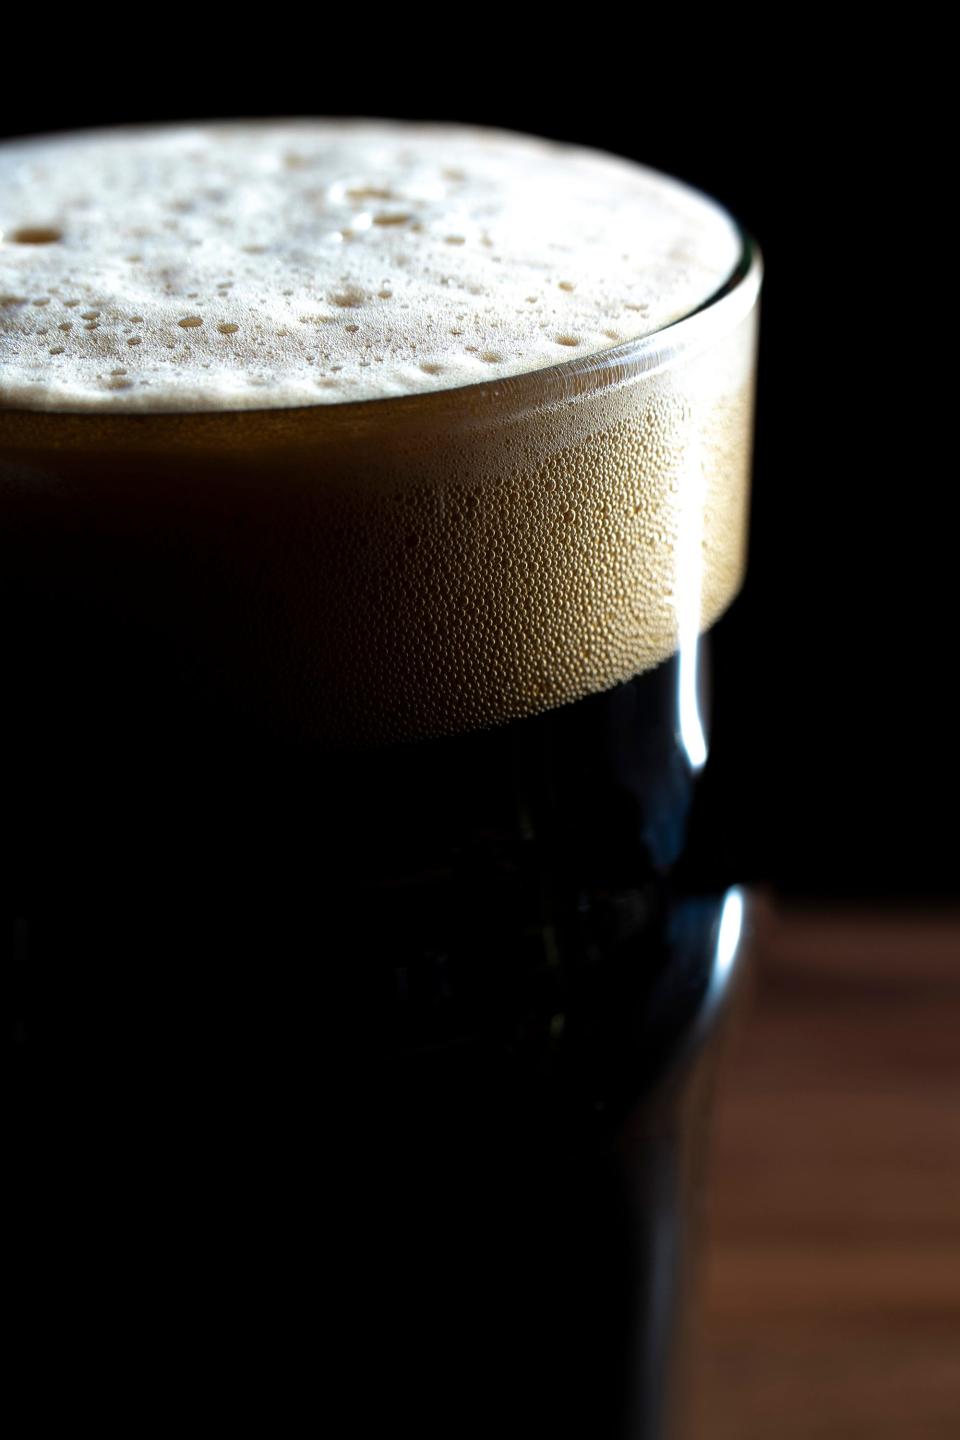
(280, 264)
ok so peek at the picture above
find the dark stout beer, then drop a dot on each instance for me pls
(411, 1098)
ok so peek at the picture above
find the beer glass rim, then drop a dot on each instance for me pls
(622, 364)
(460, 405)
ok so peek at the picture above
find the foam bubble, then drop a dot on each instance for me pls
(264, 233)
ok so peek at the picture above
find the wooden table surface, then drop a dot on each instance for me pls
(831, 1284)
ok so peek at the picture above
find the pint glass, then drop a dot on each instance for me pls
(366, 1035)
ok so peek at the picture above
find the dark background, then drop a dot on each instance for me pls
(832, 769)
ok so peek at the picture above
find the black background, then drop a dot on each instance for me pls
(832, 766)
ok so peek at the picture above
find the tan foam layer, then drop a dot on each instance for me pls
(298, 263)
(427, 565)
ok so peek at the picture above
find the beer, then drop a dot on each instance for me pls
(367, 491)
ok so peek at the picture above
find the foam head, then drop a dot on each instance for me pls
(181, 307)
(239, 266)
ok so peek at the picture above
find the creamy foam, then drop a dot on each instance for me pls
(435, 562)
(244, 266)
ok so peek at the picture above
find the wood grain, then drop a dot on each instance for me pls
(830, 1304)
